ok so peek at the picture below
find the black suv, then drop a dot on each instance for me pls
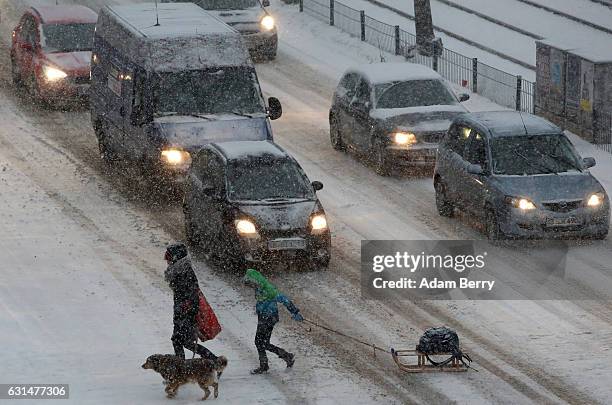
(251, 202)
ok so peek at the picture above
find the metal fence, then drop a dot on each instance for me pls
(603, 136)
(499, 86)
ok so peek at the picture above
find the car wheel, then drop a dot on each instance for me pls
(191, 234)
(233, 263)
(335, 136)
(106, 151)
(320, 264)
(381, 162)
(601, 235)
(269, 55)
(492, 226)
(34, 89)
(15, 73)
(443, 204)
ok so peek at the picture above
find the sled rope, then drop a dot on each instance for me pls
(373, 346)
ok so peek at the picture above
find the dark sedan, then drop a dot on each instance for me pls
(250, 202)
(394, 113)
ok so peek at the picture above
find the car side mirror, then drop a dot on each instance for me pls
(463, 97)
(362, 107)
(475, 169)
(275, 109)
(265, 3)
(588, 162)
(317, 185)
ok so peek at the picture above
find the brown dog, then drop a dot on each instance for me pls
(177, 371)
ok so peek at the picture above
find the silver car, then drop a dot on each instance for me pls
(250, 18)
(521, 176)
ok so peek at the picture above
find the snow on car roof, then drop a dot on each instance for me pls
(393, 72)
(513, 123)
(175, 20)
(65, 14)
(188, 38)
(237, 150)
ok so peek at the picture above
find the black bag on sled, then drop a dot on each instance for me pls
(442, 340)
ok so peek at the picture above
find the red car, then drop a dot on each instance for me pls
(51, 51)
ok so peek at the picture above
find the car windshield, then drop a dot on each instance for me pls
(68, 37)
(529, 155)
(267, 179)
(413, 93)
(226, 4)
(213, 91)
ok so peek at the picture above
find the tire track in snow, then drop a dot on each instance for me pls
(291, 395)
(176, 228)
(296, 77)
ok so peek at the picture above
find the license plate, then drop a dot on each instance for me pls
(569, 221)
(287, 244)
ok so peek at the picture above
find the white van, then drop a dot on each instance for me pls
(168, 80)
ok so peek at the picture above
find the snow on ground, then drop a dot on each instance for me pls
(585, 9)
(481, 31)
(522, 358)
(556, 28)
(84, 302)
(506, 320)
(330, 52)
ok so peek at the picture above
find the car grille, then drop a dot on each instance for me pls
(562, 206)
(431, 137)
(81, 80)
(278, 234)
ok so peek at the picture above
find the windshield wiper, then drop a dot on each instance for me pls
(190, 114)
(272, 199)
(537, 165)
(562, 158)
(281, 199)
(240, 113)
(206, 117)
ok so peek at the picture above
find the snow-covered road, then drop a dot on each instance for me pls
(523, 358)
(84, 302)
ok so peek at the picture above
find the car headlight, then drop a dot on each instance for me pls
(53, 74)
(404, 138)
(318, 222)
(524, 204)
(267, 23)
(595, 200)
(176, 157)
(245, 227)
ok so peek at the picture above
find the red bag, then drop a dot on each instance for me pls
(208, 324)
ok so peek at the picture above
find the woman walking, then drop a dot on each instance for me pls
(184, 284)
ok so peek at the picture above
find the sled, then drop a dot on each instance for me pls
(423, 364)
